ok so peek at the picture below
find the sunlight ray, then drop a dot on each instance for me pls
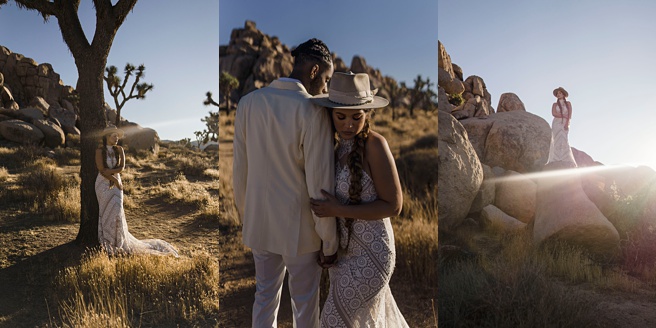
(564, 172)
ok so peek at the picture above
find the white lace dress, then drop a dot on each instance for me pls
(359, 294)
(113, 231)
(560, 150)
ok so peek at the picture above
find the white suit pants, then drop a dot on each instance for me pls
(304, 279)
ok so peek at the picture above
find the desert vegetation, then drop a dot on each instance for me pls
(49, 281)
(491, 278)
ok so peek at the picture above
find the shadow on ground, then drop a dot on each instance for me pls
(24, 286)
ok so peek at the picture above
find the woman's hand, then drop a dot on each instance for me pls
(115, 182)
(329, 206)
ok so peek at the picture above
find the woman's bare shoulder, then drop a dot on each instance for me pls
(376, 143)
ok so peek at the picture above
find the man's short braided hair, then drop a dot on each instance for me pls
(313, 49)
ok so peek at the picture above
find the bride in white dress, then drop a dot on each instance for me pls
(113, 231)
(561, 110)
(368, 192)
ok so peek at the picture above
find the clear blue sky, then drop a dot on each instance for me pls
(602, 52)
(397, 37)
(177, 41)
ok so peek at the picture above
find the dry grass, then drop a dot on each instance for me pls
(181, 191)
(51, 193)
(416, 248)
(228, 212)
(138, 290)
(4, 174)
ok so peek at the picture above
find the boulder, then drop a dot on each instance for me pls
(31, 113)
(509, 102)
(474, 107)
(457, 71)
(459, 172)
(485, 195)
(450, 84)
(515, 194)
(443, 103)
(65, 117)
(140, 138)
(475, 85)
(565, 213)
(54, 136)
(583, 159)
(516, 140)
(444, 60)
(40, 103)
(21, 132)
(494, 216)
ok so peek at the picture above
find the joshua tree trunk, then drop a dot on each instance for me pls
(92, 120)
(90, 59)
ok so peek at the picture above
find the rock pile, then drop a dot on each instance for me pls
(37, 108)
(491, 170)
(256, 59)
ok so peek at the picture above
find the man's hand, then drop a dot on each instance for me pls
(326, 261)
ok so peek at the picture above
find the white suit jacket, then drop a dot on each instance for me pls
(283, 155)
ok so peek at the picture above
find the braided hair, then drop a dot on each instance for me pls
(104, 152)
(356, 167)
(313, 50)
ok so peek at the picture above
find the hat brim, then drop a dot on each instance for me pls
(110, 131)
(565, 93)
(322, 100)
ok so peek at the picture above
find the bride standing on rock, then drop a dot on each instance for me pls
(113, 231)
(561, 110)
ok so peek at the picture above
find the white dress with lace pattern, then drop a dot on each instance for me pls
(113, 231)
(560, 150)
(359, 294)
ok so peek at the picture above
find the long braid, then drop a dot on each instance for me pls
(104, 152)
(356, 167)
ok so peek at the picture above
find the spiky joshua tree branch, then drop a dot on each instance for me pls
(116, 86)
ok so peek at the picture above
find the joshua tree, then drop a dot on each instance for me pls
(90, 59)
(210, 101)
(211, 131)
(116, 87)
(395, 93)
(416, 94)
(227, 83)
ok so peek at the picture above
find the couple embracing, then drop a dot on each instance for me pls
(315, 188)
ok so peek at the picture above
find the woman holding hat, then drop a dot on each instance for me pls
(561, 110)
(113, 231)
(367, 194)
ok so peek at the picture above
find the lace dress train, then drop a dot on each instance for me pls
(113, 231)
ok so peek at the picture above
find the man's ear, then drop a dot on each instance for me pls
(314, 71)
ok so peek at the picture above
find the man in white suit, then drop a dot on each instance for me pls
(283, 156)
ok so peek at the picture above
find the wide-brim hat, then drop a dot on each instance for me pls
(561, 89)
(112, 129)
(350, 91)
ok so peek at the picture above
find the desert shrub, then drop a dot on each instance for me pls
(4, 174)
(192, 165)
(182, 191)
(53, 194)
(428, 141)
(138, 290)
(526, 297)
(638, 252)
(418, 170)
(42, 181)
(65, 207)
(456, 99)
(416, 251)
(67, 156)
